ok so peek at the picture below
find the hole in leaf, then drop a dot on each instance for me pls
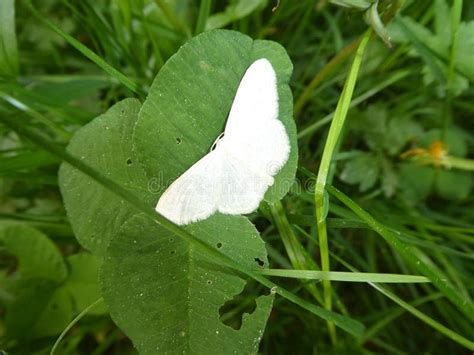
(129, 161)
(172, 252)
(259, 262)
(232, 311)
(219, 245)
(209, 282)
(8, 263)
(178, 140)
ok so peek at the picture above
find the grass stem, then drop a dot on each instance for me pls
(319, 194)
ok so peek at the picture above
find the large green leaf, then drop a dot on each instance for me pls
(185, 111)
(105, 144)
(166, 295)
(190, 99)
(159, 289)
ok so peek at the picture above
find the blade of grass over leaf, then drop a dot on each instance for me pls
(419, 260)
(345, 276)
(331, 141)
(73, 323)
(351, 326)
(114, 73)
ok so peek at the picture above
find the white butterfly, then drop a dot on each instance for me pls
(234, 176)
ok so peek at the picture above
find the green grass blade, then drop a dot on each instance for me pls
(313, 127)
(428, 320)
(405, 307)
(172, 18)
(332, 139)
(204, 10)
(9, 64)
(73, 323)
(36, 115)
(27, 160)
(418, 259)
(114, 73)
(296, 252)
(456, 21)
(349, 325)
(397, 312)
(345, 276)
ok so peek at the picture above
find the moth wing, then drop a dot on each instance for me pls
(253, 131)
(194, 195)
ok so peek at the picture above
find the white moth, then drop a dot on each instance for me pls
(234, 176)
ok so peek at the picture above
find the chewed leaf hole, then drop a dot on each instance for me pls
(178, 140)
(8, 262)
(259, 262)
(232, 311)
(172, 252)
(219, 245)
(129, 161)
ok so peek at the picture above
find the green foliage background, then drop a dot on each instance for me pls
(63, 63)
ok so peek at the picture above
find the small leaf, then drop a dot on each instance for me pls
(400, 131)
(453, 185)
(363, 170)
(373, 126)
(416, 181)
(389, 178)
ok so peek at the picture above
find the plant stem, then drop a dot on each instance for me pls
(455, 22)
(333, 137)
(204, 10)
(73, 322)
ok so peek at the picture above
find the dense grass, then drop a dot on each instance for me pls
(390, 128)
